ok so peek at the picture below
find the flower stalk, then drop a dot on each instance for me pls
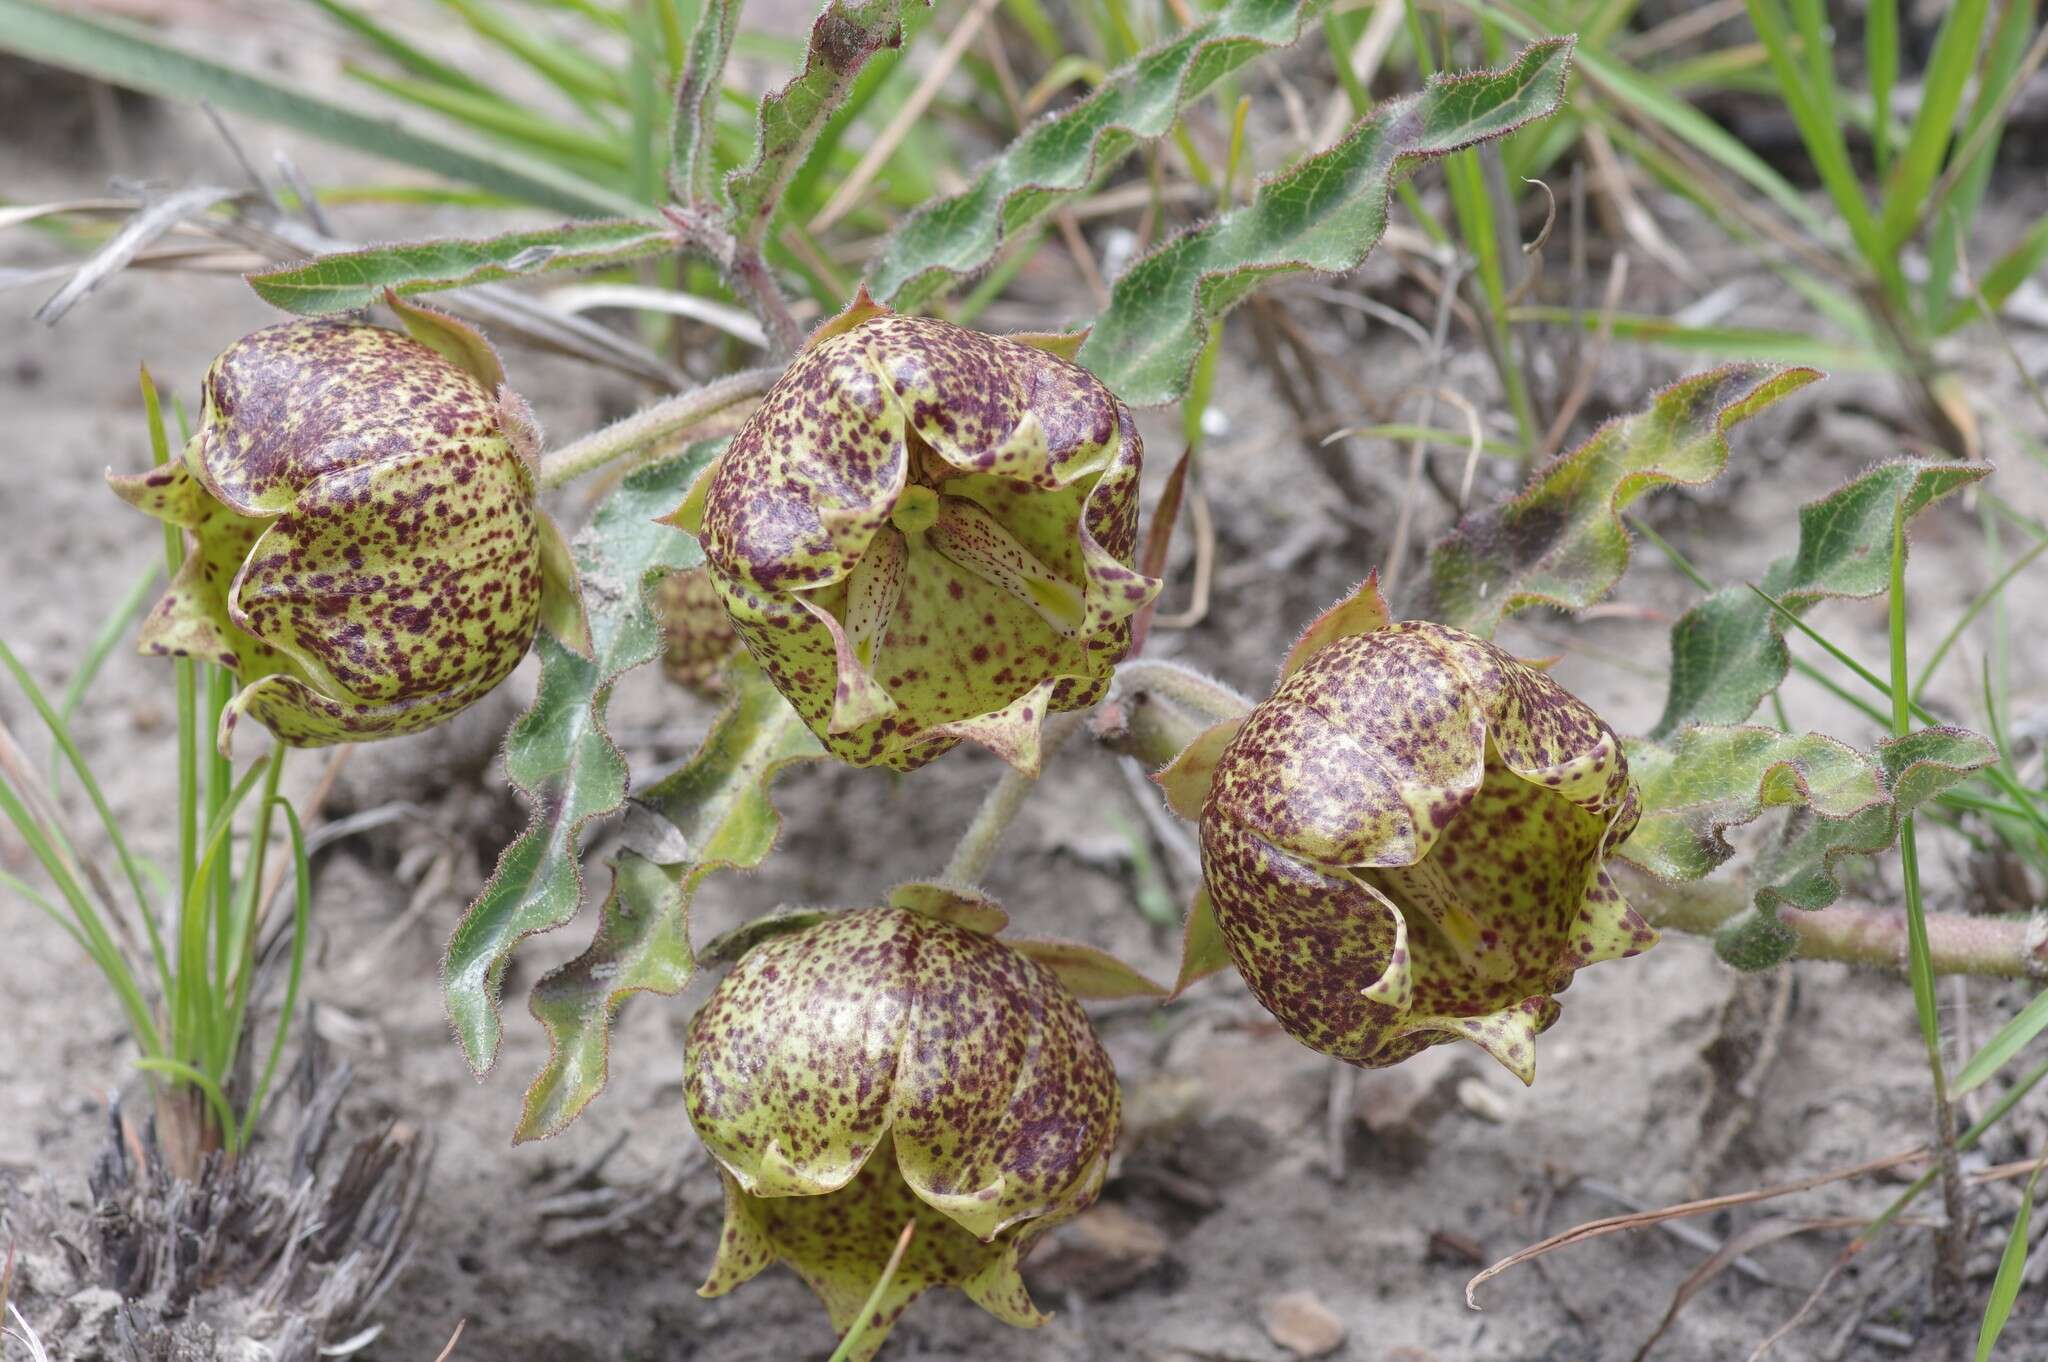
(643, 428)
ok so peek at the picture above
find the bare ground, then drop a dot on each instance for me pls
(1668, 1077)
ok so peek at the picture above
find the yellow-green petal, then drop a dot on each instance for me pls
(920, 528)
(1404, 844)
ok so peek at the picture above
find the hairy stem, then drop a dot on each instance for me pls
(643, 428)
(977, 847)
(744, 269)
(2000, 948)
(1196, 696)
(1153, 722)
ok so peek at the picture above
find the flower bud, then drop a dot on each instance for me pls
(697, 639)
(1404, 846)
(883, 1067)
(365, 553)
(926, 534)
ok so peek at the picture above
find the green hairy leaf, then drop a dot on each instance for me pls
(719, 803)
(843, 38)
(1561, 542)
(129, 55)
(1843, 803)
(352, 279)
(558, 754)
(1728, 652)
(1065, 153)
(1325, 213)
(693, 137)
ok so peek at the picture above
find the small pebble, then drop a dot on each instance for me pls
(1484, 1101)
(1299, 1322)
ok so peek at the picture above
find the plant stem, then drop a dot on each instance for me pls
(1957, 943)
(1196, 695)
(999, 806)
(707, 232)
(659, 421)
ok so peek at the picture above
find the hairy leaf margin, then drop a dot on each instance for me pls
(1326, 213)
(351, 279)
(1067, 151)
(558, 754)
(1561, 542)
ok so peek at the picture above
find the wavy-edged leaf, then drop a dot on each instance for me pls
(1325, 213)
(1065, 153)
(845, 35)
(352, 279)
(129, 55)
(558, 754)
(693, 136)
(719, 802)
(1728, 652)
(1843, 802)
(1561, 542)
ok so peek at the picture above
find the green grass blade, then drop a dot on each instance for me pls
(131, 56)
(1952, 208)
(1726, 342)
(105, 952)
(1984, 599)
(1810, 100)
(1881, 68)
(644, 82)
(584, 80)
(2011, 270)
(1997, 1052)
(185, 674)
(2012, 1267)
(1941, 95)
(1641, 97)
(216, 1100)
(23, 889)
(1919, 959)
(523, 128)
(401, 51)
(200, 918)
(60, 734)
(234, 948)
(103, 643)
(302, 898)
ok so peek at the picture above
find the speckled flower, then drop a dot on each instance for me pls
(926, 534)
(1403, 845)
(889, 1065)
(697, 637)
(365, 552)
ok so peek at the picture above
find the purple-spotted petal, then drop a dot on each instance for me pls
(919, 528)
(365, 552)
(1404, 844)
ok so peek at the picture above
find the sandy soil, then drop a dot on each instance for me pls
(1225, 1197)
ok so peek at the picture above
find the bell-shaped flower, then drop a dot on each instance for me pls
(364, 550)
(1404, 845)
(926, 534)
(865, 1070)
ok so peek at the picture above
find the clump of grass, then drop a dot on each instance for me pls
(181, 956)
